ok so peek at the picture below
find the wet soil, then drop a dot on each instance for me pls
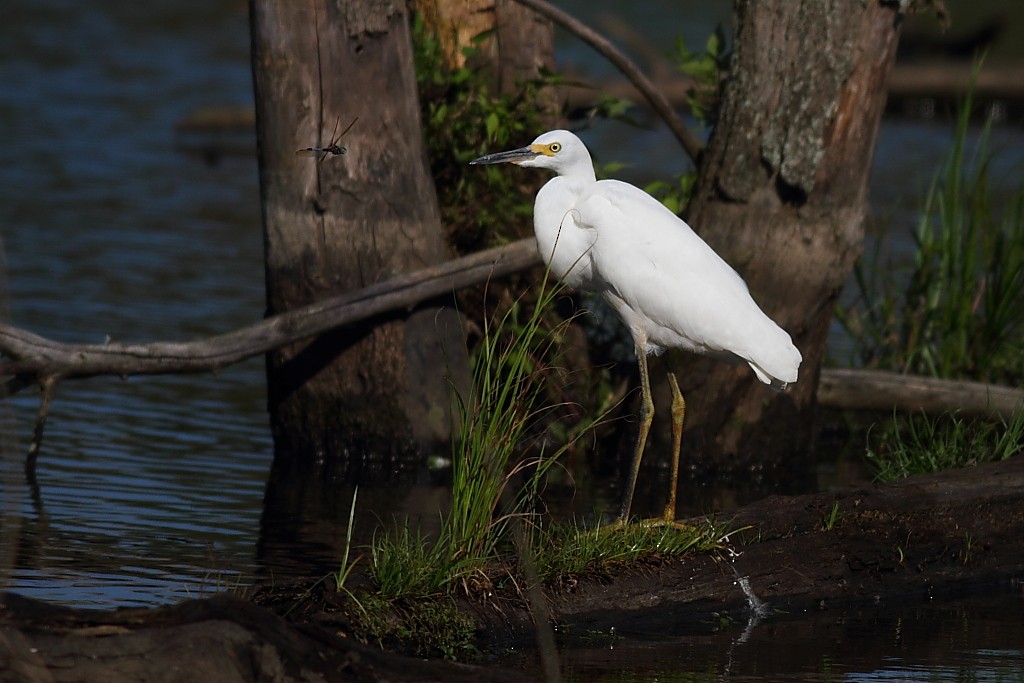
(927, 537)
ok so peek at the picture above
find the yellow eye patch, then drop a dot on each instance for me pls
(550, 149)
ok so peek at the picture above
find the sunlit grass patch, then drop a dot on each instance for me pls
(494, 479)
(569, 550)
(496, 489)
(959, 313)
(919, 444)
(406, 563)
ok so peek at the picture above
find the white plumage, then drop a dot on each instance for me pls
(668, 286)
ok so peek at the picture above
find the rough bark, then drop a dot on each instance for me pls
(524, 44)
(516, 42)
(782, 196)
(378, 388)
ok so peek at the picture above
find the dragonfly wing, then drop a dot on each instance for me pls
(347, 128)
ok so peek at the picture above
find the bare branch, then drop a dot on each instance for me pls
(36, 356)
(690, 142)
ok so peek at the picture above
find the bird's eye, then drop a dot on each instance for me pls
(555, 147)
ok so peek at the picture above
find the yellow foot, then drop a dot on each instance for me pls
(663, 521)
(651, 522)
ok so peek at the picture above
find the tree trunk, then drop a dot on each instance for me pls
(520, 47)
(782, 196)
(524, 44)
(377, 389)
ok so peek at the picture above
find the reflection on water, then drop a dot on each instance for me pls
(975, 640)
(151, 488)
(150, 491)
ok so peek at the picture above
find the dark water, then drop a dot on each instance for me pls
(977, 641)
(152, 489)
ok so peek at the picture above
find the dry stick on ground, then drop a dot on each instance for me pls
(690, 142)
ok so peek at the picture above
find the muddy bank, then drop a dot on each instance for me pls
(894, 544)
(927, 537)
(223, 639)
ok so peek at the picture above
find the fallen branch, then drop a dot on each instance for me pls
(38, 360)
(845, 389)
(42, 361)
(38, 357)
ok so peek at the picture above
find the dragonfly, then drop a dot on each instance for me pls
(334, 148)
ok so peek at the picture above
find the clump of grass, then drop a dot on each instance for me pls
(425, 627)
(919, 444)
(957, 314)
(494, 428)
(406, 563)
(568, 550)
(495, 425)
(960, 313)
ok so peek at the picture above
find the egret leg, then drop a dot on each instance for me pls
(646, 415)
(678, 415)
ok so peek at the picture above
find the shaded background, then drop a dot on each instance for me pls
(117, 223)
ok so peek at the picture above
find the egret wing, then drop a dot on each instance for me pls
(675, 286)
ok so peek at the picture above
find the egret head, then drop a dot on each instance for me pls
(559, 150)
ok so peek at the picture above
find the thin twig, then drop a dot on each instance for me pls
(49, 386)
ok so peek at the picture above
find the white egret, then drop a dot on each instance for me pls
(666, 284)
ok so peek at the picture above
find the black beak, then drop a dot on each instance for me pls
(513, 156)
